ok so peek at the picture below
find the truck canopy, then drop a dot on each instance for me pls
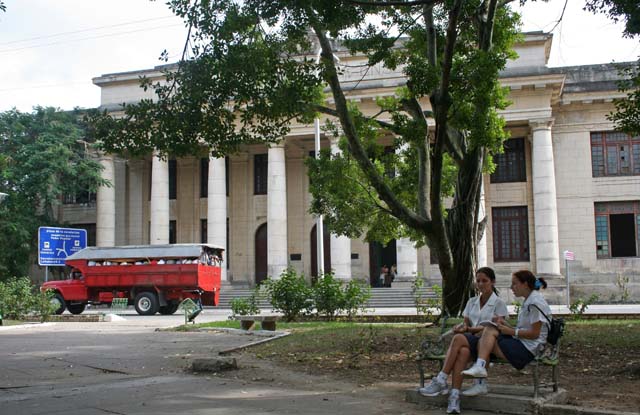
(133, 252)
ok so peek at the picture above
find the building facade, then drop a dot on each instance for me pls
(566, 182)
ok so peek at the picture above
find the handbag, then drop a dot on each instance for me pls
(556, 327)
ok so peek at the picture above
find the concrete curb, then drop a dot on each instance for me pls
(258, 333)
(25, 326)
(554, 409)
(246, 346)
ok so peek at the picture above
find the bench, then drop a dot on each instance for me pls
(119, 305)
(435, 350)
(266, 322)
(191, 310)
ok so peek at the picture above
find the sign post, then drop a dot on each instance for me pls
(56, 244)
(568, 256)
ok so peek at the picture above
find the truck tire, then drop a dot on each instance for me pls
(77, 308)
(169, 309)
(57, 301)
(146, 303)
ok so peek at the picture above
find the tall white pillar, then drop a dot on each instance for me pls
(135, 203)
(340, 245)
(217, 208)
(544, 199)
(106, 205)
(482, 243)
(159, 232)
(276, 211)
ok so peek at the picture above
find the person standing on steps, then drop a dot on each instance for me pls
(486, 306)
(518, 345)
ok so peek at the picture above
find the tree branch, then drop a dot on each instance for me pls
(412, 106)
(398, 209)
(394, 3)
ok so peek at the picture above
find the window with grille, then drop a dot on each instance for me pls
(172, 232)
(614, 154)
(260, 171)
(203, 231)
(510, 234)
(84, 197)
(511, 164)
(617, 229)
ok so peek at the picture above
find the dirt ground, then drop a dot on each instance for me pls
(599, 369)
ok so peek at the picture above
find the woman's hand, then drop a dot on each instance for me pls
(505, 329)
(460, 328)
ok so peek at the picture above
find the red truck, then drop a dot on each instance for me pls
(154, 278)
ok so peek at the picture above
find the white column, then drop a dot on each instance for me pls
(340, 245)
(482, 243)
(106, 205)
(217, 208)
(159, 232)
(544, 199)
(135, 201)
(276, 212)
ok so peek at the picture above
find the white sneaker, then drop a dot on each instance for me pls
(475, 371)
(454, 405)
(434, 388)
(476, 389)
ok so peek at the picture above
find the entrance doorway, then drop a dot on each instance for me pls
(261, 253)
(314, 251)
(380, 255)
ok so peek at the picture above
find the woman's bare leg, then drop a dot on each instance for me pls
(487, 343)
(460, 364)
(459, 341)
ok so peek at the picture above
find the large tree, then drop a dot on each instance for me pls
(627, 114)
(42, 158)
(253, 70)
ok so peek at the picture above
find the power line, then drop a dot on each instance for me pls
(85, 30)
(87, 38)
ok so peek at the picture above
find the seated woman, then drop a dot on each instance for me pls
(519, 345)
(484, 307)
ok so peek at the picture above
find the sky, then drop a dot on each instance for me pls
(51, 49)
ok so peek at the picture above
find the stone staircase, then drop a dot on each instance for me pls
(380, 297)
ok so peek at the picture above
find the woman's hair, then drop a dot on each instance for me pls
(490, 273)
(532, 282)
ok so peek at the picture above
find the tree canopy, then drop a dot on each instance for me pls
(254, 67)
(42, 159)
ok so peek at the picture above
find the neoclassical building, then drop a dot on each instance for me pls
(566, 182)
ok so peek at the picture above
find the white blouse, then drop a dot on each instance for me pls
(529, 315)
(495, 306)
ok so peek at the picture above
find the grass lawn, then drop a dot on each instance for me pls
(605, 353)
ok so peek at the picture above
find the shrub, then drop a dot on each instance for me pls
(19, 298)
(430, 307)
(579, 306)
(289, 294)
(355, 297)
(246, 306)
(327, 296)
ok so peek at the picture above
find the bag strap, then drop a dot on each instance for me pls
(545, 316)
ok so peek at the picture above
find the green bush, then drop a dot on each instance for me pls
(578, 307)
(355, 297)
(289, 294)
(20, 298)
(430, 307)
(327, 296)
(246, 306)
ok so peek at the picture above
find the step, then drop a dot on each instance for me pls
(507, 399)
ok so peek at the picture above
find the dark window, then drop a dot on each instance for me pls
(91, 232)
(226, 175)
(173, 179)
(172, 232)
(614, 154)
(203, 231)
(511, 164)
(260, 166)
(228, 246)
(204, 177)
(510, 234)
(84, 197)
(617, 229)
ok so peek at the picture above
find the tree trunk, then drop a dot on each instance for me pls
(462, 231)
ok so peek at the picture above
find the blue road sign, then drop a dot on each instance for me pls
(56, 244)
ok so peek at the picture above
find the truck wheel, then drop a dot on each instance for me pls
(146, 303)
(58, 303)
(169, 309)
(76, 308)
